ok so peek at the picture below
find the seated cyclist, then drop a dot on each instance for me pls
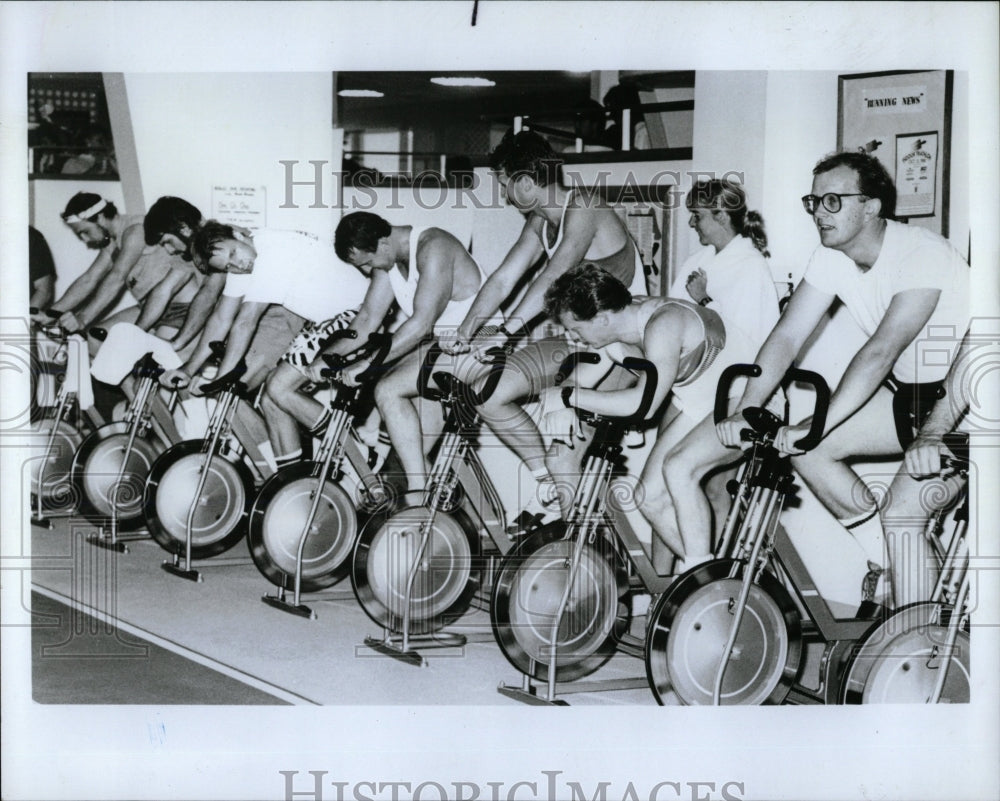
(899, 283)
(430, 276)
(562, 229)
(685, 341)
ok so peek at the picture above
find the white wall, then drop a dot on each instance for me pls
(194, 131)
(48, 200)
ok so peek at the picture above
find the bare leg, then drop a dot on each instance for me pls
(249, 429)
(529, 371)
(911, 505)
(285, 407)
(868, 432)
(395, 394)
(683, 470)
(656, 504)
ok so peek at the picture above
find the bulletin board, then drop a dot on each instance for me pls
(904, 119)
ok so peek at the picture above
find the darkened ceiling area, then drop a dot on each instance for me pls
(410, 97)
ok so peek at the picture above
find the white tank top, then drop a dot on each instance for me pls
(405, 289)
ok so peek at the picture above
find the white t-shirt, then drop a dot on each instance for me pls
(301, 273)
(740, 284)
(910, 258)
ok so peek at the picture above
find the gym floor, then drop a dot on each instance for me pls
(102, 614)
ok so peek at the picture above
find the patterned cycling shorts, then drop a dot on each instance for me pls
(313, 338)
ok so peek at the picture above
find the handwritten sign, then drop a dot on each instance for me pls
(894, 100)
(245, 206)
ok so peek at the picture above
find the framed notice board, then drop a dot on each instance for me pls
(904, 119)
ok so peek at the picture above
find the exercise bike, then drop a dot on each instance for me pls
(57, 432)
(303, 522)
(197, 497)
(750, 626)
(920, 654)
(417, 566)
(111, 465)
(560, 603)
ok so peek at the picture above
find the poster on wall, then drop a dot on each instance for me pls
(916, 172)
(880, 113)
(245, 206)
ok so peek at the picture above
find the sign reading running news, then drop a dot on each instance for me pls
(245, 206)
(894, 100)
(916, 174)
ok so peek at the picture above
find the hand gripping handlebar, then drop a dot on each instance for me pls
(629, 363)
(762, 421)
(223, 382)
(377, 346)
(450, 384)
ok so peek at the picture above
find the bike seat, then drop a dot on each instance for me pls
(762, 421)
(147, 367)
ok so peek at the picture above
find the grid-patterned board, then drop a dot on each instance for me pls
(76, 101)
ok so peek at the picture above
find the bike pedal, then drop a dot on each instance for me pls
(870, 610)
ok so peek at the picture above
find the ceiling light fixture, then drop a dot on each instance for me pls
(456, 81)
(360, 93)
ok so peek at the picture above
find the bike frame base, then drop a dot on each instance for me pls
(280, 601)
(176, 570)
(114, 543)
(392, 645)
(528, 692)
(300, 610)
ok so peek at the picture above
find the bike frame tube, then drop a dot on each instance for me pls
(135, 421)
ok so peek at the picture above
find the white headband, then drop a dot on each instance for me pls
(84, 216)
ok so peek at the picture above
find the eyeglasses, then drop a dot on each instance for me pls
(831, 201)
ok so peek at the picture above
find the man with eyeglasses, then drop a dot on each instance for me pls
(901, 284)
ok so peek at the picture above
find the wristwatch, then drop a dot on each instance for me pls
(705, 301)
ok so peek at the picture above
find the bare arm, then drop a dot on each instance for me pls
(805, 309)
(200, 309)
(432, 296)
(907, 314)
(241, 333)
(80, 289)
(156, 302)
(498, 287)
(579, 229)
(216, 330)
(378, 300)
(662, 337)
(42, 292)
(112, 285)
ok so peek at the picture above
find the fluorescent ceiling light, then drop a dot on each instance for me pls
(360, 93)
(463, 82)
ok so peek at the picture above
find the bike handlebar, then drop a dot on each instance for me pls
(629, 363)
(820, 407)
(730, 374)
(226, 381)
(762, 423)
(378, 345)
(451, 384)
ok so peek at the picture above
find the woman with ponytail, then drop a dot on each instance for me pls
(731, 277)
(730, 274)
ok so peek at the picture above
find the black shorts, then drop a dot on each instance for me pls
(911, 403)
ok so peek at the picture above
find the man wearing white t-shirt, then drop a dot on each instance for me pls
(899, 283)
(285, 293)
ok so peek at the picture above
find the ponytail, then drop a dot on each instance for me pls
(753, 229)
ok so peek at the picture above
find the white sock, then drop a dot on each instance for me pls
(866, 529)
